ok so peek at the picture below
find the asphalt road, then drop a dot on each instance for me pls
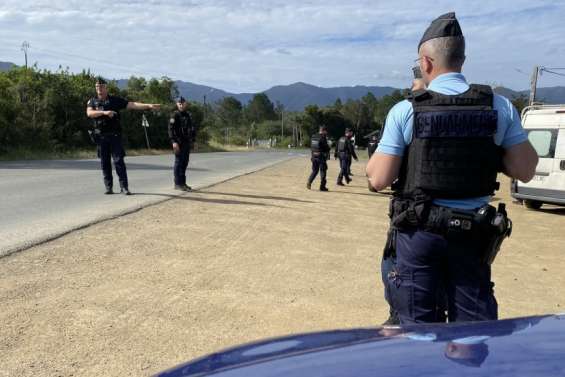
(41, 200)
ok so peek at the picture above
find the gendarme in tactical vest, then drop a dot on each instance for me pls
(452, 154)
(315, 144)
(342, 145)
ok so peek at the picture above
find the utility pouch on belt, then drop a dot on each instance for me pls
(409, 213)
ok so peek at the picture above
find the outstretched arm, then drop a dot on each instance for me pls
(143, 106)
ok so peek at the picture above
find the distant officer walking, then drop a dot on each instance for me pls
(320, 152)
(182, 134)
(443, 148)
(344, 150)
(373, 144)
(104, 111)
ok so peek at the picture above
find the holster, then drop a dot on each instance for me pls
(499, 227)
(390, 244)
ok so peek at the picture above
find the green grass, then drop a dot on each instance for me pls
(34, 154)
(19, 154)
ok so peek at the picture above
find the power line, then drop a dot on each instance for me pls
(552, 72)
(129, 69)
(520, 71)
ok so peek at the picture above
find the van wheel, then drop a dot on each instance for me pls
(532, 204)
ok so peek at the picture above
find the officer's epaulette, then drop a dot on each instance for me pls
(418, 95)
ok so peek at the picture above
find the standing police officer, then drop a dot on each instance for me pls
(445, 145)
(373, 144)
(344, 150)
(182, 134)
(320, 152)
(104, 110)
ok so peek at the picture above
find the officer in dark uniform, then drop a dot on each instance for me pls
(442, 148)
(373, 144)
(104, 111)
(344, 150)
(320, 153)
(182, 134)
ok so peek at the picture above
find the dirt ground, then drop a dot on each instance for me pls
(255, 257)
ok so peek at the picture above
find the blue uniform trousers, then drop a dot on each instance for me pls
(110, 147)
(344, 163)
(319, 164)
(427, 263)
(181, 163)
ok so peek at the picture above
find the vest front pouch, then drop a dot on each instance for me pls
(452, 153)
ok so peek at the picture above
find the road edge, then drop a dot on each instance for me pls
(44, 240)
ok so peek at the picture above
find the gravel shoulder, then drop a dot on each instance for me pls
(257, 256)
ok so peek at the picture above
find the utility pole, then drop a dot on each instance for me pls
(534, 84)
(282, 124)
(25, 47)
(204, 109)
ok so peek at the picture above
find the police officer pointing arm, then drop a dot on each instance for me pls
(104, 110)
(442, 148)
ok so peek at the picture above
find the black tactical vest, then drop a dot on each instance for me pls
(341, 145)
(315, 143)
(452, 154)
(183, 125)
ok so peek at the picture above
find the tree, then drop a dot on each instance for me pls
(229, 112)
(260, 108)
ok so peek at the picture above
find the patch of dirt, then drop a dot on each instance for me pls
(255, 257)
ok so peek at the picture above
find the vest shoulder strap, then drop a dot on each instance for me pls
(476, 95)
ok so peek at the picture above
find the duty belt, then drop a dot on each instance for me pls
(488, 225)
(424, 215)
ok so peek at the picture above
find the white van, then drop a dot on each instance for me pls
(545, 125)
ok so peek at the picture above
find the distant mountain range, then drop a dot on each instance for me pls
(6, 66)
(551, 95)
(296, 96)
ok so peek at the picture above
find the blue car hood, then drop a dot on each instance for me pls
(531, 346)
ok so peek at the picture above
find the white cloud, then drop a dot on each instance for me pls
(245, 45)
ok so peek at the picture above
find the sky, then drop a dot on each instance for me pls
(250, 46)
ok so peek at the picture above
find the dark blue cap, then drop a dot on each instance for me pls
(445, 25)
(180, 99)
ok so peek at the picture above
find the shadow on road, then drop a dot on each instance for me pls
(554, 211)
(377, 194)
(256, 196)
(204, 200)
(83, 165)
